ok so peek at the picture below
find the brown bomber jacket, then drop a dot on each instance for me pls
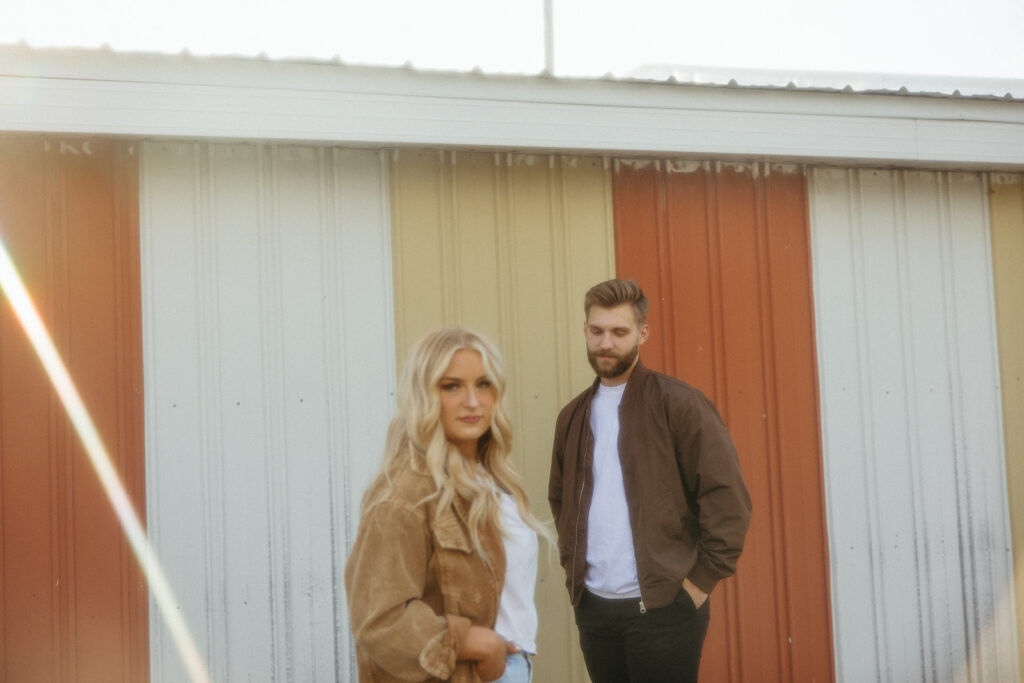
(415, 585)
(688, 506)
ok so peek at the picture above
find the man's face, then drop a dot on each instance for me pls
(613, 340)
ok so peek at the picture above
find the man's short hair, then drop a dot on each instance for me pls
(611, 293)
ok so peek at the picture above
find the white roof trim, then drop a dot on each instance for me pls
(151, 96)
(833, 81)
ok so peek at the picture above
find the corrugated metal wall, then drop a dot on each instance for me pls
(269, 384)
(508, 245)
(269, 306)
(723, 253)
(1007, 210)
(72, 601)
(915, 477)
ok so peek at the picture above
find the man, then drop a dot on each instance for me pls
(648, 501)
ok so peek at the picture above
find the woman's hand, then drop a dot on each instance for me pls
(488, 650)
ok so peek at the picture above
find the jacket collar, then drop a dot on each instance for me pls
(635, 379)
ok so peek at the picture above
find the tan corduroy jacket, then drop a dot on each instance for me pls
(415, 585)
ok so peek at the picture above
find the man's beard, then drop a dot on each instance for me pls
(620, 366)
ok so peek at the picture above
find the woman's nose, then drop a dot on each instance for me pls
(471, 399)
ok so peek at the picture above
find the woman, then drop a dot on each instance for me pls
(441, 577)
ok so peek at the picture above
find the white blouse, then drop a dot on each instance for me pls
(517, 613)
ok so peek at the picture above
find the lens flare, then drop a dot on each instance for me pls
(32, 323)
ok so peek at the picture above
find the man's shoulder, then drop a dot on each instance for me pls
(669, 387)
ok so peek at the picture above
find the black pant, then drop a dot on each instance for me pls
(623, 645)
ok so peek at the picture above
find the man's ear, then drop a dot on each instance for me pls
(644, 332)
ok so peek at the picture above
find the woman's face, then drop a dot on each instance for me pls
(467, 401)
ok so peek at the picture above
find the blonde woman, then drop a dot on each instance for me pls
(441, 578)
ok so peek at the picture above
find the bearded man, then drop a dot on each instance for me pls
(648, 500)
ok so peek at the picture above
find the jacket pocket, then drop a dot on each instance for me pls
(457, 566)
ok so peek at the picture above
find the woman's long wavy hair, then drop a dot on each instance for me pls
(416, 437)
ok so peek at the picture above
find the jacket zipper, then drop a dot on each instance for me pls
(579, 501)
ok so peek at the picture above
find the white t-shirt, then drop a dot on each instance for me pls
(517, 613)
(611, 560)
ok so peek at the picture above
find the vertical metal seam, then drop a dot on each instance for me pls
(662, 234)
(715, 230)
(859, 256)
(504, 221)
(559, 248)
(270, 330)
(61, 603)
(907, 344)
(66, 449)
(394, 225)
(712, 233)
(200, 255)
(333, 311)
(770, 396)
(150, 384)
(503, 210)
(120, 448)
(963, 493)
(450, 232)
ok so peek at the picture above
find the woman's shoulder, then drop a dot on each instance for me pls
(406, 487)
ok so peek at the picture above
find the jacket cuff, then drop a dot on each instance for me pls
(703, 578)
(439, 655)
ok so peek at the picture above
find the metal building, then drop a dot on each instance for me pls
(234, 255)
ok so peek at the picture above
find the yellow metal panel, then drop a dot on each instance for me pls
(507, 244)
(1007, 207)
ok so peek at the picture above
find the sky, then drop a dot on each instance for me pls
(975, 39)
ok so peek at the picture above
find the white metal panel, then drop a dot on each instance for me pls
(269, 368)
(122, 94)
(919, 533)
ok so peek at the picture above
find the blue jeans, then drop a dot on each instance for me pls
(518, 669)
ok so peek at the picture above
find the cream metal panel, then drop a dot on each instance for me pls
(508, 244)
(1007, 205)
(922, 575)
(269, 367)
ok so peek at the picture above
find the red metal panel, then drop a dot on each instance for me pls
(74, 602)
(723, 253)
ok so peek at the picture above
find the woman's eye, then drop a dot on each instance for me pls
(449, 387)
(484, 384)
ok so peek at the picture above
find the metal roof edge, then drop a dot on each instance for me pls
(916, 85)
(147, 95)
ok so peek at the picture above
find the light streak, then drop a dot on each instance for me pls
(28, 316)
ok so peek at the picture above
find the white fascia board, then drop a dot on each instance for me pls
(153, 96)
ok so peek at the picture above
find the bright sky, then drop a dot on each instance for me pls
(976, 38)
